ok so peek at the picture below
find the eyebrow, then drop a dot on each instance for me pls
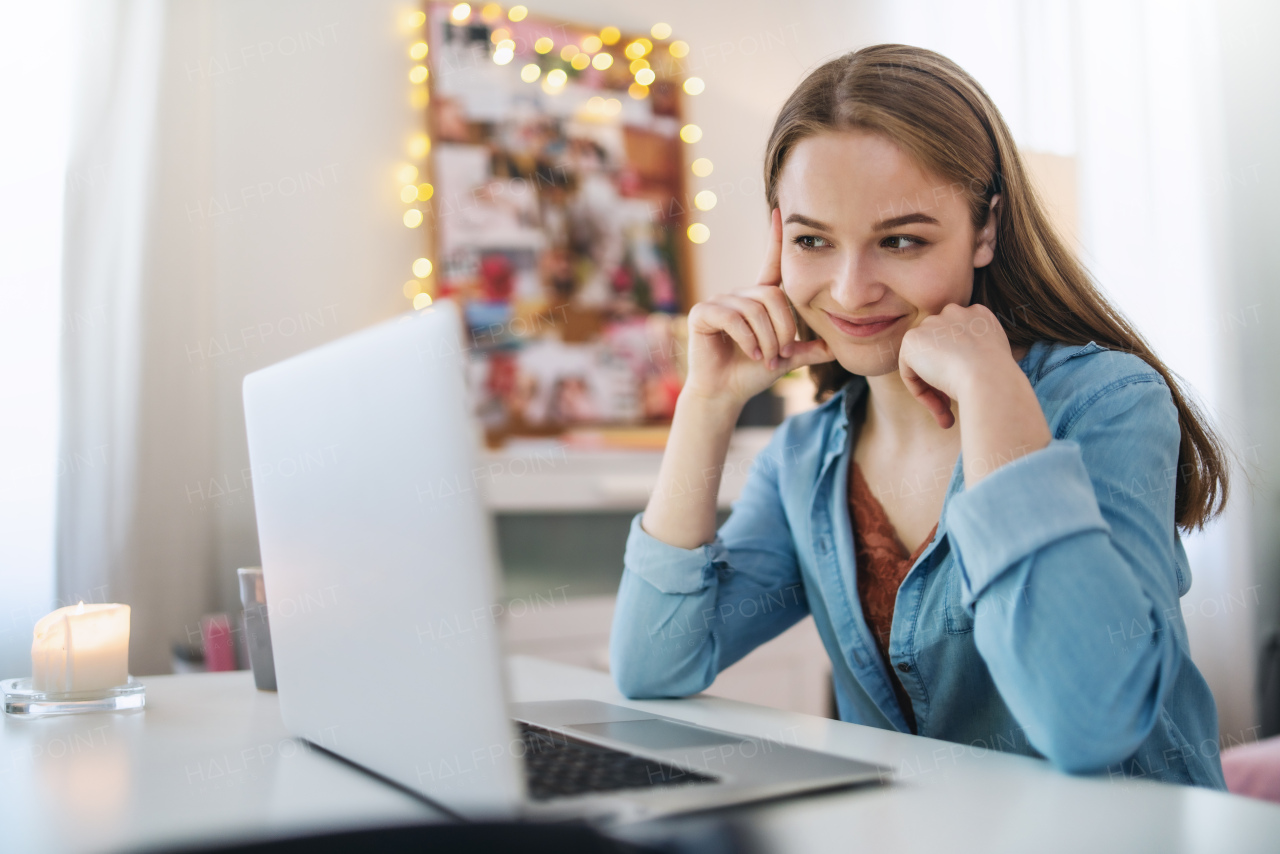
(884, 225)
(906, 219)
(807, 222)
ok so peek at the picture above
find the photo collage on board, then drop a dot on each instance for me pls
(560, 218)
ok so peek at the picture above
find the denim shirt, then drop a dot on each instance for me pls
(1042, 619)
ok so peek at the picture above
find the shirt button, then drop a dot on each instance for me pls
(904, 667)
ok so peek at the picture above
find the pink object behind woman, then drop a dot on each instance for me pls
(1253, 770)
(219, 651)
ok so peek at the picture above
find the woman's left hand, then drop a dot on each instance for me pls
(942, 356)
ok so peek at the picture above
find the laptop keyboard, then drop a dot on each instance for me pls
(558, 766)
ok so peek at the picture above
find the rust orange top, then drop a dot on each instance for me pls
(882, 563)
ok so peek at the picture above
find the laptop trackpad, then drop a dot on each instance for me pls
(655, 734)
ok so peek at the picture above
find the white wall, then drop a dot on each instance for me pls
(319, 99)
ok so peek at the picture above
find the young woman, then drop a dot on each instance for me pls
(982, 517)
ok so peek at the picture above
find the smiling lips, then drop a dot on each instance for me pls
(864, 327)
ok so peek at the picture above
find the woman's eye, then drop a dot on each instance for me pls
(901, 242)
(809, 241)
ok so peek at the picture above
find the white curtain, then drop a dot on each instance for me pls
(134, 420)
(1130, 90)
(35, 85)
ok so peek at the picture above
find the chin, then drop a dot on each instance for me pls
(870, 359)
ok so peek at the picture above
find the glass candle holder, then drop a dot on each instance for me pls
(21, 699)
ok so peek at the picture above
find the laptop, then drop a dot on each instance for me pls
(379, 562)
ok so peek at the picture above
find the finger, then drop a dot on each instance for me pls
(807, 353)
(771, 272)
(761, 324)
(939, 405)
(721, 318)
(937, 402)
(784, 322)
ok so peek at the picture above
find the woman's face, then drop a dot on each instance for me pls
(872, 245)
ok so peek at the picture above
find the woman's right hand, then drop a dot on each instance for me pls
(740, 343)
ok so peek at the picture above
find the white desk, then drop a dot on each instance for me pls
(209, 758)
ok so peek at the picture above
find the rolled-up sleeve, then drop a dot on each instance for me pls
(1015, 512)
(668, 568)
(683, 615)
(1068, 568)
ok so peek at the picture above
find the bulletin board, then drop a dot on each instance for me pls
(558, 215)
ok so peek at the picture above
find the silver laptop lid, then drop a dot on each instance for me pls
(378, 558)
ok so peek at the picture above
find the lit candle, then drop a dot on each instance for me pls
(81, 648)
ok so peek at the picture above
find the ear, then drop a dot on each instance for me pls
(984, 252)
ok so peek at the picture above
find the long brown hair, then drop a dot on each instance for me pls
(934, 111)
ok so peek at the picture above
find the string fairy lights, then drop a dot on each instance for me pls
(417, 147)
(603, 51)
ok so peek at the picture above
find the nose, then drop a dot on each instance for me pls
(857, 282)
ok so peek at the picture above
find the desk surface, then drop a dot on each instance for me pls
(209, 758)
